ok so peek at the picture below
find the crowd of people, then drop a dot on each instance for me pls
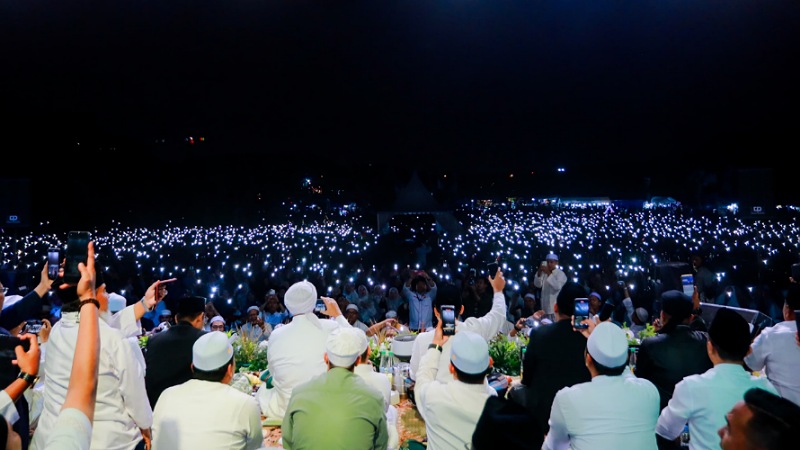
(314, 294)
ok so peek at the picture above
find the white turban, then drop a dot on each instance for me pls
(300, 298)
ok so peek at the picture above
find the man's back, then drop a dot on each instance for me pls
(205, 414)
(335, 410)
(121, 407)
(776, 351)
(703, 400)
(667, 358)
(169, 359)
(295, 355)
(554, 359)
(609, 412)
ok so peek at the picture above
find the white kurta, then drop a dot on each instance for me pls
(122, 407)
(450, 410)
(296, 355)
(206, 414)
(776, 353)
(703, 401)
(7, 408)
(607, 413)
(487, 326)
(550, 285)
(73, 431)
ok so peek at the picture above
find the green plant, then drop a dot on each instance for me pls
(248, 353)
(143, 340)
(649, 331)
(507, 353)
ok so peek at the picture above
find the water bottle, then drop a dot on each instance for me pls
(685, 436)
(385, 364)
(522, 360)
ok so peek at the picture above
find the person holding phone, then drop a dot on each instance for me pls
(29, 307)
(776, 352)
(487, 326)
(550, 279)
(296, 349)
(123, 416)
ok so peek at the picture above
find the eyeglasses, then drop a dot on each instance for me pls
(218, 327)
(5, 290)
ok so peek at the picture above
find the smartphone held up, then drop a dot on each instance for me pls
(581, 313)
(77, 252)
(448, 320)
(53, 262)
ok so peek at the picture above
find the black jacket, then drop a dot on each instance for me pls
(667, 358)
(554, 359)
(168, 356)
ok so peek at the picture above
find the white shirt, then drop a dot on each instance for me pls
(607, 413)
(73, 431)
(777, 354)
(7, 408)
(125, 321)
(703, 401)
(487, 326)
(121, 408)
(550, 285)
(382, 384)
(206, 414)
(450, 410)
(295, 355)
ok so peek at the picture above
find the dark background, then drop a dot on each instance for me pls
(633, 99)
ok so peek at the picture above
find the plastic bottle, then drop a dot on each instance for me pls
(685, 436)
(522, 360)
(385, 364)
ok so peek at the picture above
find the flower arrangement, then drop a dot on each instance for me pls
(248, 354)
(507, 353)
(636, 340)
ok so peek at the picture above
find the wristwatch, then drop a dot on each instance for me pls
(28, 378)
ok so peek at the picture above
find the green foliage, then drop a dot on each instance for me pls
(649, 331)
(247, 352)
(143, 340)
(507, 353)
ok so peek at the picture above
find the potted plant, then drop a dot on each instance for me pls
(249, 355)
(507, 353)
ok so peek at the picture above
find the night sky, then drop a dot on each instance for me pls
(365, 89)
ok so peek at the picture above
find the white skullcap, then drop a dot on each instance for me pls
(116, 302)
(165, 312)
(345, 345)
(211, 351)
(217, 319)
(300, 298)
(530, 295)
(642, 314)
(391, 314)
(470, 352)
(551, 256)
(252, 308)
(608, 345)
(352, 306)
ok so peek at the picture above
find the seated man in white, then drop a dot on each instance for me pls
(206, 412)
(613, 411)
(295, 351)
(451, 410)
